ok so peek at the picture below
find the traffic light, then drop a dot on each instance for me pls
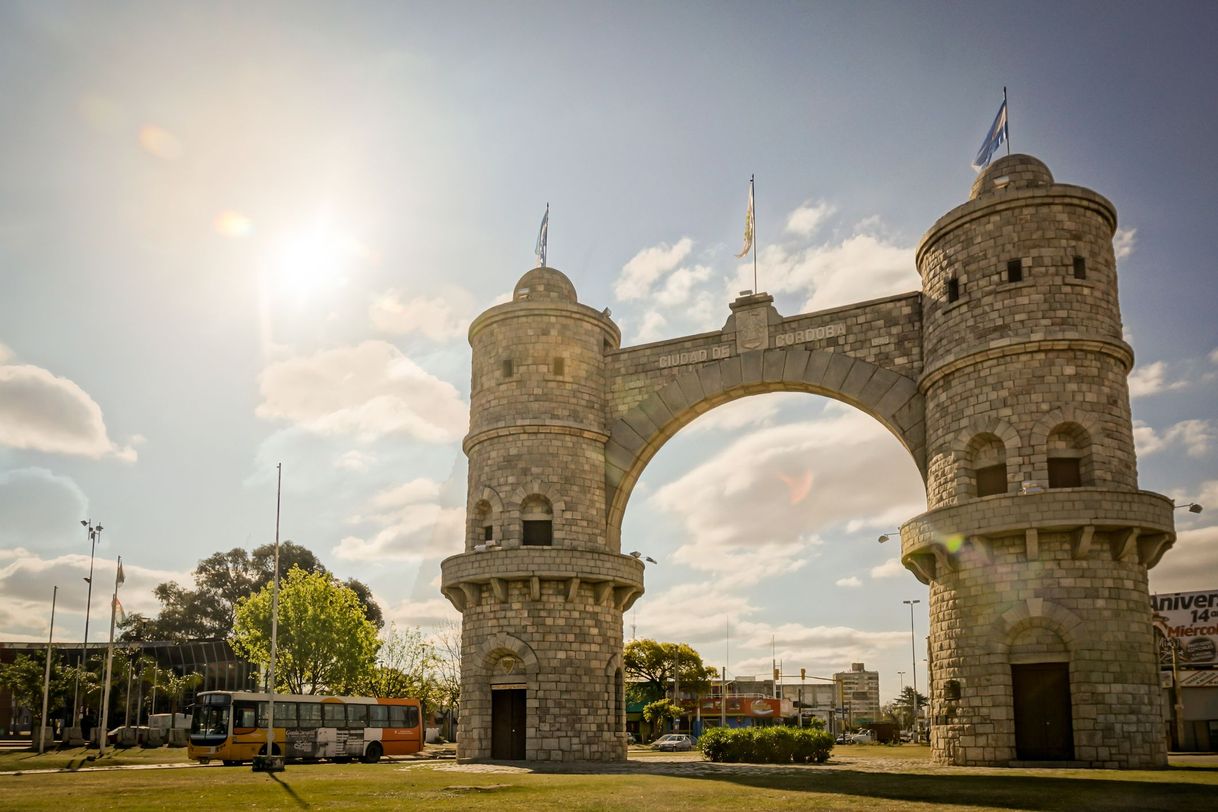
(803, 673)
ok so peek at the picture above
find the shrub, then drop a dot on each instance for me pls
(766, 745)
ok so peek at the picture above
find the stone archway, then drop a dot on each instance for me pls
(1015, 379)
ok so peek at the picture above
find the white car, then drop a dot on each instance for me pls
(672, 742)
(861, 736)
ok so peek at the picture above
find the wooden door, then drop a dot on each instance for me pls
(508, 724)
(1044, 730)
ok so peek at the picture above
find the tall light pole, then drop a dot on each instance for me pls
(94, 535)
(913, 651)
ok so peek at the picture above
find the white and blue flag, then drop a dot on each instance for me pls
(993, 139)
(542, 235)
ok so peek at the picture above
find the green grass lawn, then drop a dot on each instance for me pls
(878, 778)
(73, 758)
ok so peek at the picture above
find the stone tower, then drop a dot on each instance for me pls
(541, 591)
(1037, 540)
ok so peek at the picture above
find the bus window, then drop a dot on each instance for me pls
(310, 715)
(244, 715)
(332, 715)
(357, 716)
(378, 716)
(285, 714)
(412, 716)
(209, 720)
(397, 716)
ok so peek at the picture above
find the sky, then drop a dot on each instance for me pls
(240, 234)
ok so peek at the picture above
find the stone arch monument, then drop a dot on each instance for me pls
(1004, 378)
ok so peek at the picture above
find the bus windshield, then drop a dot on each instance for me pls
(210, 720)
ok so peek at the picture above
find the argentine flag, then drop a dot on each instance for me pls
(993, 139)
(543, 236)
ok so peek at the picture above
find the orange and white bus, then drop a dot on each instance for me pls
(230, 726)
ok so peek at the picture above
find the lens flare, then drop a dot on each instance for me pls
(233, 224)
(160, 142)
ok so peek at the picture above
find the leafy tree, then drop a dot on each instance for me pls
(651, 666)
(448, 672)
(405, 667)
(326, 642)
(167, 682)
(23, 678)
(661, 713)
(222, 579)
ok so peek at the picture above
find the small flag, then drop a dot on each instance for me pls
(748, 224)
(993, 138)
(121, 577)
(119, 611)
(543, 235)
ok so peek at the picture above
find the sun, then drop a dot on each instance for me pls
(314, 260)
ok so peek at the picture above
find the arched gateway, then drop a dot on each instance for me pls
(1004, 378)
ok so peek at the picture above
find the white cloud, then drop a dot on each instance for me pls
(1190, 564)
(1214, 356)
(1191, 436)
(1151, 380)
(647, 266)
(652, 328)
(892, 568)
(40, 411)
(680, 284)
(369, 391)
(1124, 241)
(736, 414)
(27, 580)
(851, 582)
(441, 317)
(431, 613)
(753, 502)
(830, 275)
(40, 507)
(407, 522)
(808, 217)
(355, 461)
(6, 353)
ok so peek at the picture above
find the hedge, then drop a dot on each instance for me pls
(766, 745)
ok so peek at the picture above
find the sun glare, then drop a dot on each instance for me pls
(314, 260)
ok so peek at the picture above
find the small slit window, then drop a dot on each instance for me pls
(536, 522)
(1065, 472)
(992, 479)
(953, 289)
(1069, 457)
(557, 367)
(488, 532)
(507, 368)
(1080, 268)
(1015, 270)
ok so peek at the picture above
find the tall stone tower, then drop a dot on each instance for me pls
(541, 591)
(1037, 540)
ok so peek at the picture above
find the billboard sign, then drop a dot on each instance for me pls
(1187, 624)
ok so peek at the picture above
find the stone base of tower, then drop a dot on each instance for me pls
(541, 676)
(1042, 648)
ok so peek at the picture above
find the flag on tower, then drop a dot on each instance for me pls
(993, 138)
(120, 578)
(748, 224)
(543, 235)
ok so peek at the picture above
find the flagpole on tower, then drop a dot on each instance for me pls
(1006, 125)
(753, 214)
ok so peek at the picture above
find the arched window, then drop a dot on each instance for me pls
(987, 459)
(484, 527)
(1069, 456)
(536, 522)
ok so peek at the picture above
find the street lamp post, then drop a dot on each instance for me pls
(913, 651)
(94, 535)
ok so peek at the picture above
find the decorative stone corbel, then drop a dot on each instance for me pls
(1080, 543)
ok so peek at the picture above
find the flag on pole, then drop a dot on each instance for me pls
(993, 138)
(118, 608)
(748, 225)
(543, 235)
(121, 577)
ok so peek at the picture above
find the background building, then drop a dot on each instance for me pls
(859, 690)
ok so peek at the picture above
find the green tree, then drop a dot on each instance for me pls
(405, 666)
(448, 673)
(222, 579)
(23, 678)
(326, 642)
(651, 666)
(661, 713)
(902, 706)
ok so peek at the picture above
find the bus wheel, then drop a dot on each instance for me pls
(373, 753)
(274, 751)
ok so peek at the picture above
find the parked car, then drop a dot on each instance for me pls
(672, 742)
(862, 736)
